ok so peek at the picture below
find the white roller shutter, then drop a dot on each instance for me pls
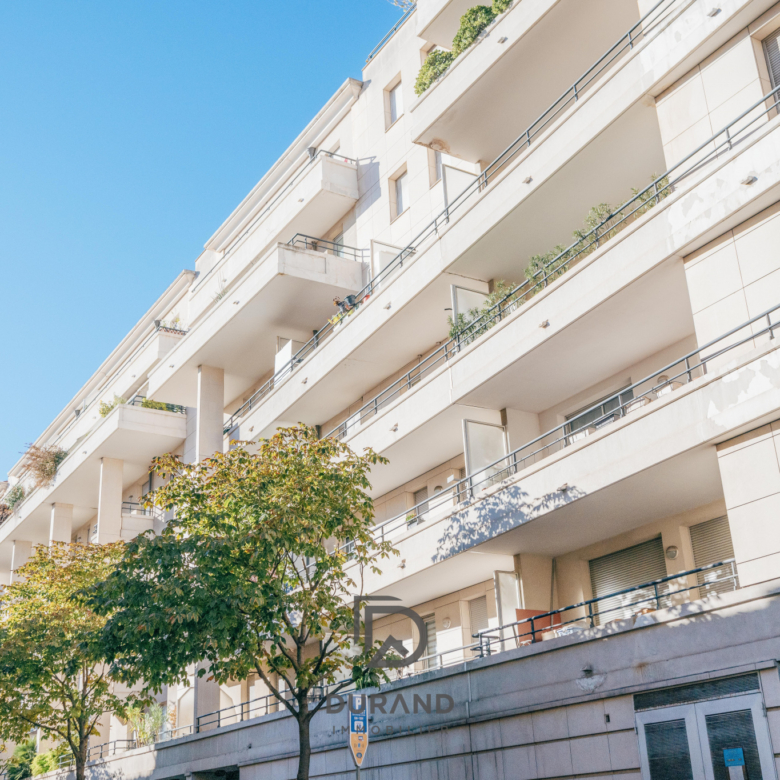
(626, 569)
(711, 542)
(772, 54)
(478, 614)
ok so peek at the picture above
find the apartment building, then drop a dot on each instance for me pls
(583, 430)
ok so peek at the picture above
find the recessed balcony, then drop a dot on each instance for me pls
(131, 433)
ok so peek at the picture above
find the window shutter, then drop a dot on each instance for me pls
(478, 614)
(626, 569)
(668, 753)
(711, 542)
(772, 54)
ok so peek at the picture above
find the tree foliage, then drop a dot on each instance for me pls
(249, 576)
(49, 677)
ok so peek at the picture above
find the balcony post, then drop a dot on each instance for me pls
(109, 518)
(210, 412)
(20, 552)
(60, 523)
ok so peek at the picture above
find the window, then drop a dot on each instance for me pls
(478, 614)
(485, 445)
(434, 166)
(338, 245)
(401, 192)
(421, 498)
(432, 660)
(396, 103)
(599, 415)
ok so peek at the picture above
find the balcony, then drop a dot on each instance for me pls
(467, 113)
(131, 433)
(490, 230)
(321, 190)
(287, 293)
(439, 20)
(569, 488)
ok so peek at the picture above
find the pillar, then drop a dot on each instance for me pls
(61, 523)
(207, 696)
(109, 519)
(750, 475)
(210, 412)
(19, 554)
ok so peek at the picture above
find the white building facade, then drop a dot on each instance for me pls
(583, 428)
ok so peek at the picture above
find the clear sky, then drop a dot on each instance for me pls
(129, 130)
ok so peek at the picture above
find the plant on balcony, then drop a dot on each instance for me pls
(148, 403)
(435, 65)
(499, 6)
(48, 761)
(469, 323)
(14, 495)
(472, 23)
(43, 462)
(245, 577)
(49, 675)
(106, 407)
(147, 724)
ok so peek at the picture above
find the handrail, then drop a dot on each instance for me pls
(484, 646)
(133, 507)
(146, 403)
(627, 42)
(320, 244)
(393, 30)
(507, 466)
(639, 204)
(486, 640)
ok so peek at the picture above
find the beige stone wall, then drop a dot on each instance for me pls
(736, 277)
(750, 470)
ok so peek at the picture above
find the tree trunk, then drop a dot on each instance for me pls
(304, 744)
(81, 760)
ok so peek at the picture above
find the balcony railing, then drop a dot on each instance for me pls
(649, 22)
(321, 245)
(626, 401)
(134, 508)
(639, 204)
(634, 602)
(631, 603)
(147, 403)
(393, 30)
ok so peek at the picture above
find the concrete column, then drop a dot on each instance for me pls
(109, 519)
(750, 473)
(206, 695)
(21, 552)
(210, 413)
(61, 523)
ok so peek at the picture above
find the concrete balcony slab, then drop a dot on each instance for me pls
(287, 292)
(438, 20)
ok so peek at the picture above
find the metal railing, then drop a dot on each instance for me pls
(639, 204)
(650, 596)
(624, 402)
(627, 42)
(134, 508)
(393, 30)
(321, 245)
(146, 403)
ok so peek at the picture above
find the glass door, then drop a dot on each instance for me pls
(722, 739)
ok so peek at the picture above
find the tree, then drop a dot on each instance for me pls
(249, 575)
(49, 677)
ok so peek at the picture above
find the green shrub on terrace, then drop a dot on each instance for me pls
(436, 63)
(472, 23)
(14, 495)
(463, 323)
(499, 6)
(148, 403)
(106, 406)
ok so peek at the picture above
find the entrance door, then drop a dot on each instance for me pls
(693, 741)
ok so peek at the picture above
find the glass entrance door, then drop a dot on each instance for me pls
(697, 741)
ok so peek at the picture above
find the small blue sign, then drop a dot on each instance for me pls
(734, 757)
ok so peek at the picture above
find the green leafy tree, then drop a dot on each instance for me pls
(249, 575)
(49, 678)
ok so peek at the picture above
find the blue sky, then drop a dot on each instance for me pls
(128, 132)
